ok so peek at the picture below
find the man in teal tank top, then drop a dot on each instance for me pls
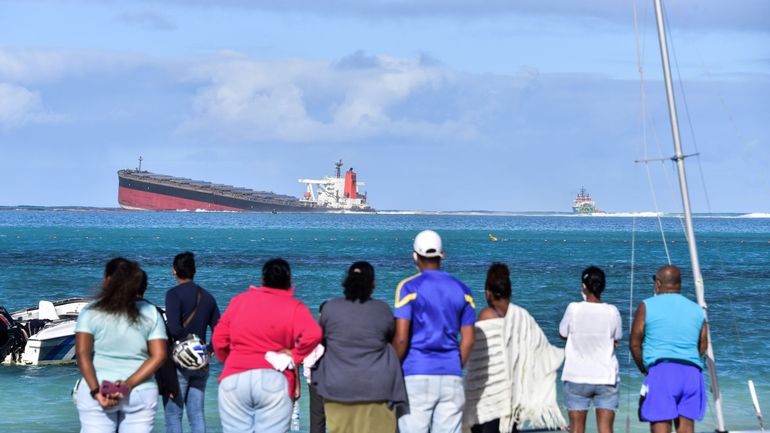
(668, 338)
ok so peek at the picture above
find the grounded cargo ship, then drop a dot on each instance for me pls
(143, 190)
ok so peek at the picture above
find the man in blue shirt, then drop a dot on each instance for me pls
(668, 338)
(431, 309)
(188, 302)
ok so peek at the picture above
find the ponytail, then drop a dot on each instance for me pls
(359, 282)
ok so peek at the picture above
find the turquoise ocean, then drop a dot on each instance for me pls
(53, 255)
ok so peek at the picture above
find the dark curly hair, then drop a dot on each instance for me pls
(120, 288)
(359, 282)
(276, 273)
(499, 281)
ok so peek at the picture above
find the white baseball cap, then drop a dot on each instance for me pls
(427, 243)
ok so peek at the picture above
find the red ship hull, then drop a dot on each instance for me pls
(149, 191)
(145, 200)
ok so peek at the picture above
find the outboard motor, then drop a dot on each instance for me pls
(6, 323)
(10, 335)
(14, 336)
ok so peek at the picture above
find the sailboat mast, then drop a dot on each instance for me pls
(679, 159)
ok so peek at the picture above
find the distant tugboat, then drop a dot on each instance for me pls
(584, 204)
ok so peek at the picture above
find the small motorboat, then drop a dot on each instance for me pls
(41, 335)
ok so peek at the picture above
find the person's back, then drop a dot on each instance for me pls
(432, 308)
(259, 335)
(120, 346)
(190, 309)
(437, 303)
(265, 323)
(592, 331)
(359, 376)
(668, 337)
(120, 341)
(357, 336)
(672, 326)
(359, 329)
(181, 300)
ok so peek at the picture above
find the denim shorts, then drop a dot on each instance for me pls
(578, 396)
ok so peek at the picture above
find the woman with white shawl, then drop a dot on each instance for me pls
(510, 377)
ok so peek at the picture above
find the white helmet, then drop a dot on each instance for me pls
(191, 353)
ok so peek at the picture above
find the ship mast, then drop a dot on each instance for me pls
(140, 164)
(693, 247)
(338, 165)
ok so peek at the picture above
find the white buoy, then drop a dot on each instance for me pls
(755, 400)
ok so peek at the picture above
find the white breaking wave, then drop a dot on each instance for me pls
(628, 214)
(755, 215)
(208, 211)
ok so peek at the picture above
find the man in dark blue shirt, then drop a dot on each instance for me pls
(188, 302)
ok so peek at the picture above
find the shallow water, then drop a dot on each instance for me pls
(53, 255)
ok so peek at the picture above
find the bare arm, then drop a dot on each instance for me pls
(467, 333)
(157, 349)
(703, 340)
(637, 337)
(401, 338)
(84, 348)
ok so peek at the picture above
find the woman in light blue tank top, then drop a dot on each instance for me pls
(120, 342)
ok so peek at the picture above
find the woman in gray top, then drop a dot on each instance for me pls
(359, 376)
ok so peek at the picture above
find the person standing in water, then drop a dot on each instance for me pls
(592, 330)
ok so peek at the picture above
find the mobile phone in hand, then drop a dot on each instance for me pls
(109, 388)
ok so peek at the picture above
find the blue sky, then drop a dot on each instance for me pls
(439, 105)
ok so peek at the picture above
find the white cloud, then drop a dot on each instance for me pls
(307, 101)
(41, 65)
(18, 106)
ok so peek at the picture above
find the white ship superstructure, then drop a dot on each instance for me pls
(336, 192)
(583, 203)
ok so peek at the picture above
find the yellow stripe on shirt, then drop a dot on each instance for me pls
(408, 298)
(469, 299)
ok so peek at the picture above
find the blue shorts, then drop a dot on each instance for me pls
(671, 390)
(578, 396)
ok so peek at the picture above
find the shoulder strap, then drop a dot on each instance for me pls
(195, 309)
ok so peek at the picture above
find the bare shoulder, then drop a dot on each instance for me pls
(487, 314)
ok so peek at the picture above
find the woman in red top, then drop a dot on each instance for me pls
(261, 320)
